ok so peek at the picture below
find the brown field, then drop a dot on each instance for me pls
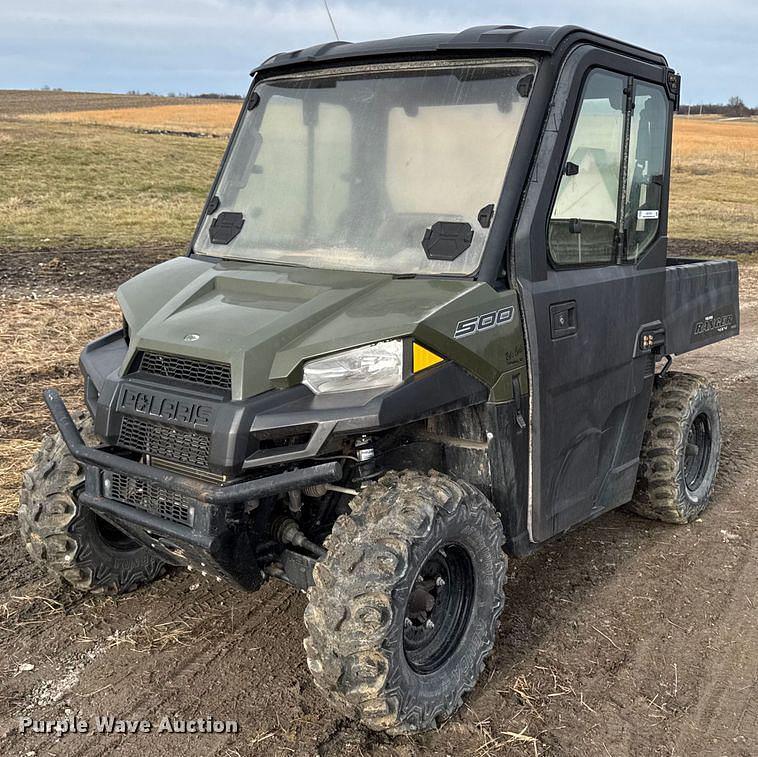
(714, 182)
(198, 118)
(21, 101)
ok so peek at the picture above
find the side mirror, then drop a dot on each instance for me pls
(572, 169)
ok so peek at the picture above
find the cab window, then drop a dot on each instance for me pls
(584, 219)
(647, 154)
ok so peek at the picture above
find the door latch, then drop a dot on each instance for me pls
(562, 319)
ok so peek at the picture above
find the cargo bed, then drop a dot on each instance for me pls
(702, 303)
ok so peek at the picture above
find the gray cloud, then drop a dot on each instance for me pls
(209, 45)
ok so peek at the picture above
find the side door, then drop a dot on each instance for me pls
(589, 255)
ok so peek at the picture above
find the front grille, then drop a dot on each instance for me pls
(152, 498)
(185, 369)
(187, 470)
(188, 447)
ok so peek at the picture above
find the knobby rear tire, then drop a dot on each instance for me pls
(667, 490)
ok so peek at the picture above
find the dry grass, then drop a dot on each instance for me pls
(40, 342)
(15, 457)
(531, 696)
(21, 610)
(71, 186)
(706, 142)
(714, 182)
(207, 118)
(146, 637)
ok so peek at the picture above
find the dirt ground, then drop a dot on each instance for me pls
(624, 637)
(15, 102)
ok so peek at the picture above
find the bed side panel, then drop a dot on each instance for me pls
(702, 303)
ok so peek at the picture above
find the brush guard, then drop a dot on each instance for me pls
(198, 528)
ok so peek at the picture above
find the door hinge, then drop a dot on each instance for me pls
(673, 86)
(620, 245)
(629, 97)
(516, 384)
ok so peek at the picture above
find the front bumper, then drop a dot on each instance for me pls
(208, 541)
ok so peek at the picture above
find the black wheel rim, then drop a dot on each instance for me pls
(697, 453)
(438, 608)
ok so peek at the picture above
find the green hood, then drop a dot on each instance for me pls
(267, 320)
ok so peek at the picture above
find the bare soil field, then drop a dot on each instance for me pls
(17, 102)
(624, 637)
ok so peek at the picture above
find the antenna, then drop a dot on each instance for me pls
(331, 21)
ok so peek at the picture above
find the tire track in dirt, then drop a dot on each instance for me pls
(727, 707)
(725, 716)
(183, 680)
(187, 682)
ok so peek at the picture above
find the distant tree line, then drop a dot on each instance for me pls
(734, 107)
(136, 92)
(201, 96)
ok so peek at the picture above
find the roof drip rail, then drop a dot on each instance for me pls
(498, 40)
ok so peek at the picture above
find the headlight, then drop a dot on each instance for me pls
(375, 366)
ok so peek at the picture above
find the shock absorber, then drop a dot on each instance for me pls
(364, 451)
(287, 531)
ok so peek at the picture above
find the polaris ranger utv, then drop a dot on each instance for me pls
(425, 321)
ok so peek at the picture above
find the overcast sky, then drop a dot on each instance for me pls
(210, 45)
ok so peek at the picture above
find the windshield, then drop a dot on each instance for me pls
(391, 168)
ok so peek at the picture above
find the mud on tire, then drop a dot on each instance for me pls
(367, 647)
(68, 537)
(680, 451)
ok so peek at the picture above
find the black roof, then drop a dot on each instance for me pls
(542, 40)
